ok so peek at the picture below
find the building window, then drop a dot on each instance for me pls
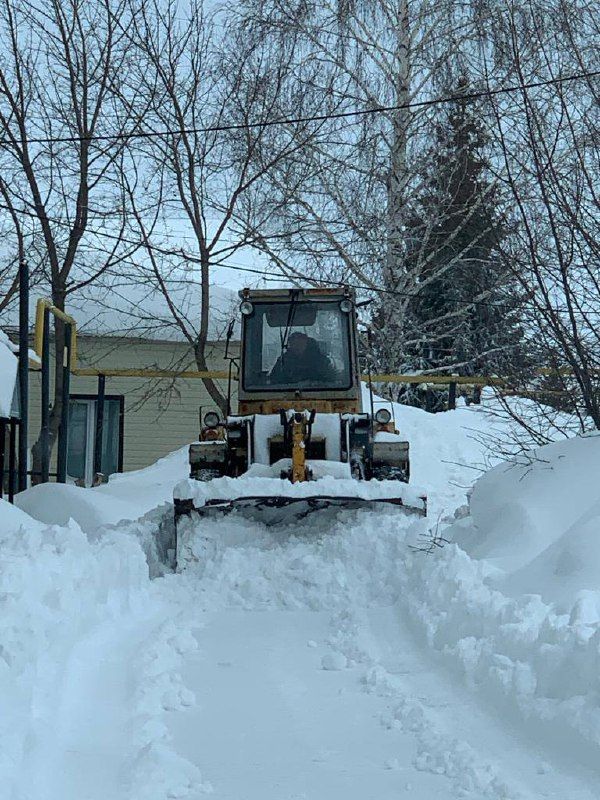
(82, 437)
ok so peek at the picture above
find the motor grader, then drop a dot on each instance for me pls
(301, 439)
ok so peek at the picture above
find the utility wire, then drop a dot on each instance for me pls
(268, 123)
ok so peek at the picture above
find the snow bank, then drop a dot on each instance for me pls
(148, 487)
(538, 520)
(54, 586)
(518, 608)
(8, 374)
(79, 623)
(520, 653)
(56, 504)
(126, 497)
(136, 504)
(449, 451)
(12, 519)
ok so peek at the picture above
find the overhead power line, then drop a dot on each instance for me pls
(268, 123)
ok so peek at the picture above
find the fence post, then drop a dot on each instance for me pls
(12, 460)
(63, 434)
(99, 425)
(45, 430)
(2, 448)
(452, 396)
(428, 399)
(23, 372)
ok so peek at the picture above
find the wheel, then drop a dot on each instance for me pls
(207, 474)
(357, 470)
(385, 472)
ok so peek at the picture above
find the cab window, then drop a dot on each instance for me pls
(303, 345)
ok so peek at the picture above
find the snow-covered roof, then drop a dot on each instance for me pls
(141, 311)
(137, 310)
(8, 375)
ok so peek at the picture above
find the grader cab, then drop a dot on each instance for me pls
(301, 439)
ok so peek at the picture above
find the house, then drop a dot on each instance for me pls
(145, 417)
(9, 415)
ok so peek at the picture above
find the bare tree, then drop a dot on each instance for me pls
(208, 92)
(60, 134)
(350, 194)
(548, 148)
(13, 250)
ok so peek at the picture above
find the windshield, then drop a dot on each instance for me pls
(298, 345)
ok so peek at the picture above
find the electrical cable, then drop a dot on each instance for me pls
(381, 109)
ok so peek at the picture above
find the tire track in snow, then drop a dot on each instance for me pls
(272, 724)
(480, 754)
(440, 735)
(109, 741)
(87, 754)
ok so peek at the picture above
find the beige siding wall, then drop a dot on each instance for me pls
(161, 415)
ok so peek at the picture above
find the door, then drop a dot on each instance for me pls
(82, 437)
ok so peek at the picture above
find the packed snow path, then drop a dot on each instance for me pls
(310, 683)
(86, 756)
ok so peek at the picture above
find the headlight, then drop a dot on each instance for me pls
(383, 416)
(211, 419)
(346, 306)
(246, 308)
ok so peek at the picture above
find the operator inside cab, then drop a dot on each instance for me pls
(303, 360)
(305, 345)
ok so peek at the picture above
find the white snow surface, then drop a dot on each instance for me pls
(318, 661)
(126, 496)
(8, 374)
(537, 519)
(326, 486)
(138, 310)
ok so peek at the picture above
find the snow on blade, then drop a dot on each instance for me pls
(229, 488)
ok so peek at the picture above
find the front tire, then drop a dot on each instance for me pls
(385, 472)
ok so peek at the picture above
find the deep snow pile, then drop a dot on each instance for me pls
(537, 518)
(449, 451)
(126, 496)
(68, 598)
(518, 608)
(63, 602)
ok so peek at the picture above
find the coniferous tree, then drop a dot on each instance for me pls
(460, 319)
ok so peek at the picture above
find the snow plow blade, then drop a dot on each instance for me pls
(193, 539)
(284, 509)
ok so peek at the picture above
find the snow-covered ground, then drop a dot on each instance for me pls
(320, 661)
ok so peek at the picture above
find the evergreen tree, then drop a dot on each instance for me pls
(461, 318)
